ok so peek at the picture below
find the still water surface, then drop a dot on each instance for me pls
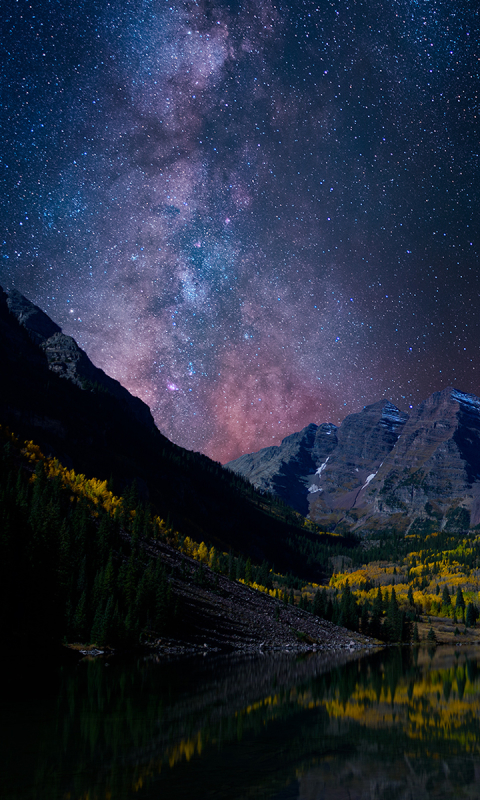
(397, 724)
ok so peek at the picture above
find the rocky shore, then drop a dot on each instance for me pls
(225, 615)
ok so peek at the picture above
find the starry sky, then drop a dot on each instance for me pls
(255, 215)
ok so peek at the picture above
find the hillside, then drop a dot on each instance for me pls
(100, 516)
(52, 394)
(112, 534)
(79, 563)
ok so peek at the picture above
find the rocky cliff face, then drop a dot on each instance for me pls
(364, 442)
(65, 357)
(285, 470)
(431, 479)
(383, 469)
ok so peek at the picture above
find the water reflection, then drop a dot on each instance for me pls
(399, 724)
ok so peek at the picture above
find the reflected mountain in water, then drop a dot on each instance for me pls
(398, 724)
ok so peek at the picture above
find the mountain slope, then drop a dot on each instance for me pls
(323, 468)
(385, 470)
(52, 394)
(431, 479)
(283, 470)
(66, 359)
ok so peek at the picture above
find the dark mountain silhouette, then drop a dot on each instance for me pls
(53, 394)
(66, 359)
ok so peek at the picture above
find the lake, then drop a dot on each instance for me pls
(398, 723)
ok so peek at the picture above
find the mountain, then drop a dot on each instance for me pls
(113, 534)
(284, 470)
(53, 394)
(66, 359)
(381, 469)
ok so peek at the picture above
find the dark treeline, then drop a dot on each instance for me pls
(383, 620)
(69, 569)
(316, 551)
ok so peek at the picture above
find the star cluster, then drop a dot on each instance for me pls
(255, 215)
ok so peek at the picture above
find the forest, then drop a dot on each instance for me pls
(75, 566)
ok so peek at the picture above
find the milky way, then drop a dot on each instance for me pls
(253, 215)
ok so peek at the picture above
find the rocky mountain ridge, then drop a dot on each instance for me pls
(381, 468)
(66, 359)
(52, 395)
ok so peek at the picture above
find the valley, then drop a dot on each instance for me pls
(115, 536)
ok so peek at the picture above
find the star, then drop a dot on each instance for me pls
(211, 191)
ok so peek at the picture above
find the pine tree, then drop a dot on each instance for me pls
(410, 598)
(377, 611)
(459, 600)
(393, 623)
(96, 630)
(264, 576)
(431, 638)
(471, 615)
(240, 568)
(364, 619)
(65, 565)
(446, 600)
(329, 610)
(106, 626)
(104, 535)
(109, 583)
(348, 609)
(129, 501)
(144, 596)
(138, 525)
(97, 593)
(80, 618)
(130, 580)
(319, 603)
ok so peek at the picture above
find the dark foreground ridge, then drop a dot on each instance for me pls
(53, 395)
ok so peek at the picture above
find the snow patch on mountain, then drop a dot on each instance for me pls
(322, 467)
(392, 416)
(468, 400)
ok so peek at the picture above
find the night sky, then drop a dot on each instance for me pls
(254, 215)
